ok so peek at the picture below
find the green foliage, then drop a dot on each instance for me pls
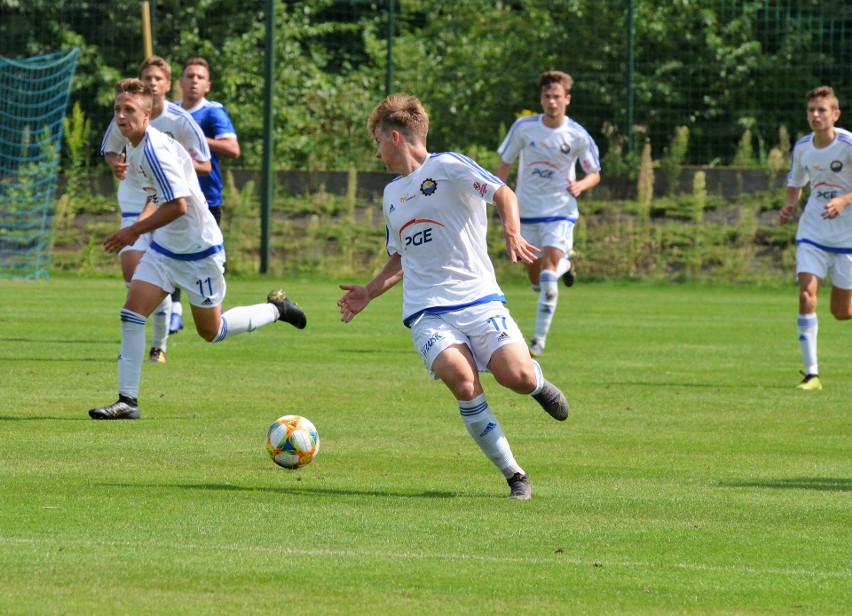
(673, 158)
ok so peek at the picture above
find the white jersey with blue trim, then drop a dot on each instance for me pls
(436, 221)
(548, 160)
(176, 122)
(829, 171)
(163, 168)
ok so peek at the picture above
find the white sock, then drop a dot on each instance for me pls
(244, 319)
(546, 304)
(564, 266)
(539, 378)
(160, 323)
(808, 327)
(132, 353)
(484, 428)
(177, 307)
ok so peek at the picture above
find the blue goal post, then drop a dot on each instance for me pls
(34, 94)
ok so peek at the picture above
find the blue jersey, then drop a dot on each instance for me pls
(216, 124)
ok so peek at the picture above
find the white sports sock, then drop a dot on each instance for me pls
(547, 300)
(177, 308)
(132, 353)
(808, 327)
(160, 323)
(484, 428)
(564, 266)
(539, 378)
(244, 319)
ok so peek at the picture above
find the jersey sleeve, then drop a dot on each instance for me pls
(223, 127)
(113, 140)
(590, 159)
(166, 169)
(191, 137)
(512, 145)
(797, 177)
(469, 177)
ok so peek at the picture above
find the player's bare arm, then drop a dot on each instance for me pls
(591, 180)
(517, 248)
(117, 163)
(788, 212)
(148, 221)
(357, 297)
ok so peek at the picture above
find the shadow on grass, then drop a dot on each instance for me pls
(223, 487)
(821, 484)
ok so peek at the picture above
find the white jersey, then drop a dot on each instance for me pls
(829, 171)
(436, 221)
(163, 169)
(176, 122)
(548, 159)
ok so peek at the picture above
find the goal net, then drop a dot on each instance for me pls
(34, 96)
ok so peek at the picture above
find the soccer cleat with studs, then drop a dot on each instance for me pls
(125, 408)
(519, 486)
(553, 401)
(811, 382)
(156, 356)
(287, 311)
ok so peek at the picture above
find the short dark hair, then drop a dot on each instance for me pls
(550, 77)
(135, 87)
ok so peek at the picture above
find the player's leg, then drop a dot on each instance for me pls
(547, 299)
(160, 331)
(812, 266)
(456, 368)
(175, 313)
(841, 289)
(142, 298)
(512, 368)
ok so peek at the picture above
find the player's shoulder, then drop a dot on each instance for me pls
(803, 141)
(176, 112)
(843, 136)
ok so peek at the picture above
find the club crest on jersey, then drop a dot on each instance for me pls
(565, 148)
(836, 166)
(480, 188)
(429, 187)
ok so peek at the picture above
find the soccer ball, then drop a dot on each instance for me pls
(292, 441)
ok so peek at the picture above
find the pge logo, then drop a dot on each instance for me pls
(429, 187)
(419, 238)
(827, 195)
(836, 166)
(480, 188)
(545, 174)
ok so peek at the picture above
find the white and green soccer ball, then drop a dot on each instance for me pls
(292, 441)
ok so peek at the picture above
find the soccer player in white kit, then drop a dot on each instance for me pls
(436, 220)
(549, 145)
(173, 120)
(822, 159)
(185, 250)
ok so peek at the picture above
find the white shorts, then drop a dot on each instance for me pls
(140, 244)
(484, 328)
(203, 280)
(558, 234)
(813, 260)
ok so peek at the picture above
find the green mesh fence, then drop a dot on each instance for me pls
(34, 96)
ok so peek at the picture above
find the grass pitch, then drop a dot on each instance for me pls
(691, 477)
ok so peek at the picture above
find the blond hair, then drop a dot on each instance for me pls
(403, 113)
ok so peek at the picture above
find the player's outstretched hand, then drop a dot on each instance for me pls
(353, 302)
(517, 248)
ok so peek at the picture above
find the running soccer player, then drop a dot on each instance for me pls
(436, 220)
(185, 250)
(822, 159)
(171, 119)
(549, 146)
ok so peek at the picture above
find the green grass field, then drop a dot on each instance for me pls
(691, 477)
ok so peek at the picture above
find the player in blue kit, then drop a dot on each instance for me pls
(221, 138)
(436, 220)
(185, 249)
(822, 159)
(549, 146)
